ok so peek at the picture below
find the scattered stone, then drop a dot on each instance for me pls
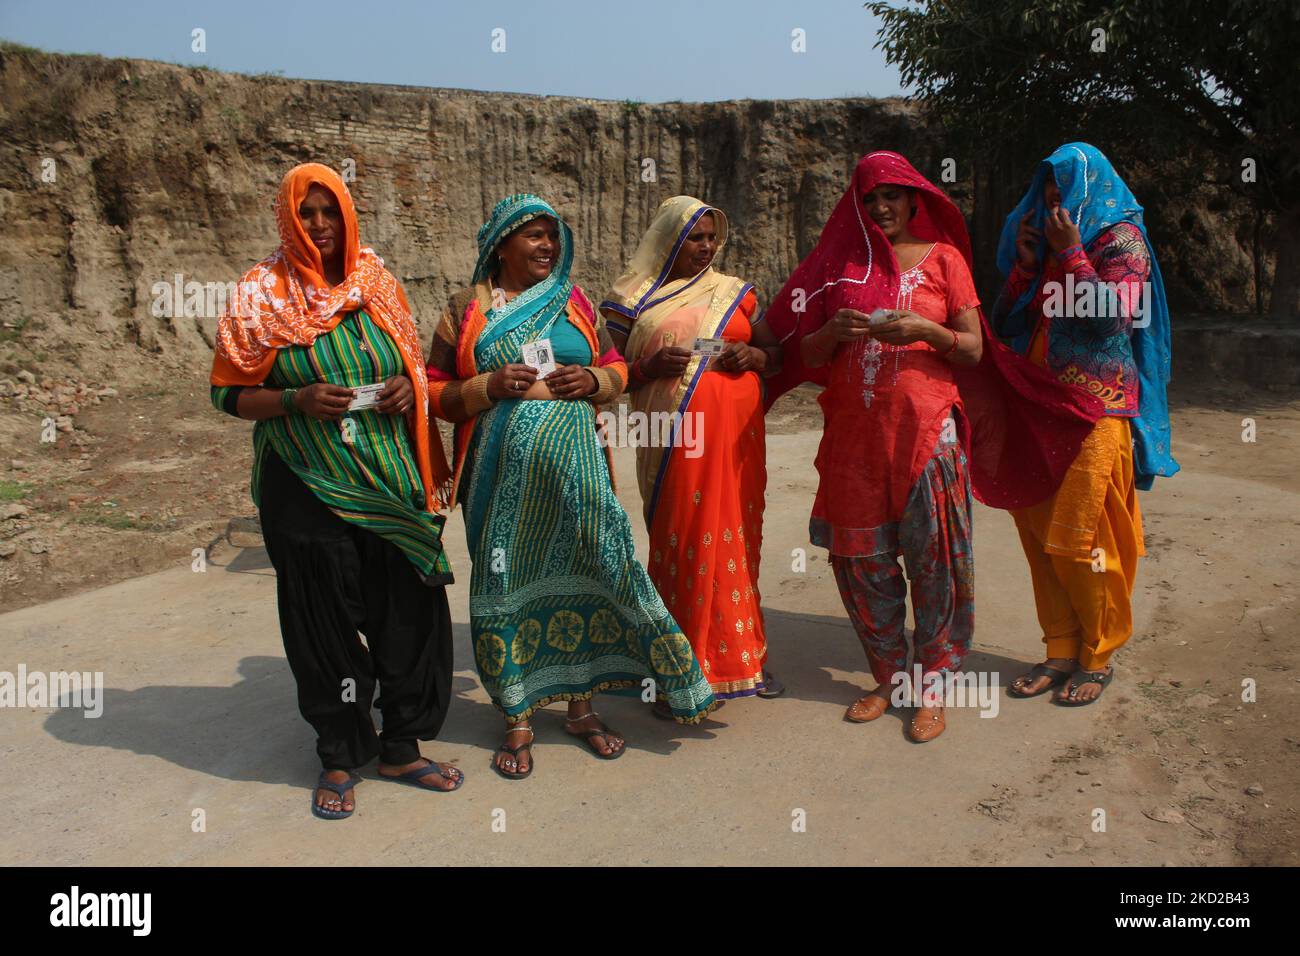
(1255, 790)
(1081, 772)
(1164, 815)
(1072, 845)
(38, 547)
(14, 510)
(63, 423)
(1176, 683)
(107, 392)
(8, 549)
(26, 377)
(17, 464)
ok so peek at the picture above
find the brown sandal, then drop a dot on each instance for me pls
(867, 709)
(927, 723)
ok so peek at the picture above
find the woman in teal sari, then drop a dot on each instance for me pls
(559, 607)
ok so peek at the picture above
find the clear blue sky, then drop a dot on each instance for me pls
(616, 49)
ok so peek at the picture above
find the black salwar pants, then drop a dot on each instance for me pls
(333, 580)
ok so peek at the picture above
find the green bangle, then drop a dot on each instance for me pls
(286, 400)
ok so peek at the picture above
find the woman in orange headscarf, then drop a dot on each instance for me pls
(321, 351)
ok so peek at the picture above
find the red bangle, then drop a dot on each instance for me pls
(952, 348)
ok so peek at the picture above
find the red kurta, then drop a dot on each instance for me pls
(885, 407)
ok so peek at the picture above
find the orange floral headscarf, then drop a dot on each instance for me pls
(286, 300)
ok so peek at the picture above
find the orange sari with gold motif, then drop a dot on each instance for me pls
(703, 487)
(705, 507)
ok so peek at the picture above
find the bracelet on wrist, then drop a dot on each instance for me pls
(952, 348)
(286, 400)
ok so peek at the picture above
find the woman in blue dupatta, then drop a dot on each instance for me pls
(1084, 299)
(559, 607)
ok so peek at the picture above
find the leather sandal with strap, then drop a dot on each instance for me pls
(515, 752)
(606, 733)
(1081, 677)
(866, 709)
(1054, 677)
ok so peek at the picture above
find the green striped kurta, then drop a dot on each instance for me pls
(361, 467)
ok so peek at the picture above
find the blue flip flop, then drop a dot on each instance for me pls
(339, 788)
(413, 777)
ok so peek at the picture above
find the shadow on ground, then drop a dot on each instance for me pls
(251, 731)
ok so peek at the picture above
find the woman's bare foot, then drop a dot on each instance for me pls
(329, 800)
(1027, 685)
(584, 722)
(519, 737)
(449, 779)
(1089, 690)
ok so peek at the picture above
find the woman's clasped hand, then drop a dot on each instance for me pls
(567, 382)
(330, 402)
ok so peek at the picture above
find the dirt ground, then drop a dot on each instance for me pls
(1187, 771)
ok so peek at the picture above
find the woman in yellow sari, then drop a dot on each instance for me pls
(702, 468)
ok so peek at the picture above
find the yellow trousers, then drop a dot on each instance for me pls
(1083, 546)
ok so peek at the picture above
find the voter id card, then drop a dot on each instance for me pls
(708, 350)
(709, 347)
(365, 396)
(540, 356)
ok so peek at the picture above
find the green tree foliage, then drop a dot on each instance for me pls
(1159, 76)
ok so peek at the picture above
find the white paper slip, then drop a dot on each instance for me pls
(366, 396)
(709, 347)
(540, 356)
(881, 317)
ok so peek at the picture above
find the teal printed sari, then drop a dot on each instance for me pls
(560, 609)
